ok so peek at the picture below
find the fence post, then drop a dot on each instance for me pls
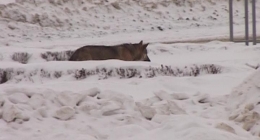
(231, 33)
(254, 21)
(246, 23)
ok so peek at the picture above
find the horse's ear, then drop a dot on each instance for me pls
(141, 42)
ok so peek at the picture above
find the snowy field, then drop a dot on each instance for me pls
(204, 90)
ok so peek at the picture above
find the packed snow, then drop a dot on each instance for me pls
(197, 86)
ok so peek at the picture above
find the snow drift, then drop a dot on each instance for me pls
(164, 116)
(243, 104)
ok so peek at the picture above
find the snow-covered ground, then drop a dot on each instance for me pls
(166, 20)
(189, 91)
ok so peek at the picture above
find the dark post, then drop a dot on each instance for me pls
(231, 20)
(246, 23)
(254, 21)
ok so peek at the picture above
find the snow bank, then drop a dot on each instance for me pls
(184, 127)
(104, 114)
(92, 114)
(243, 104)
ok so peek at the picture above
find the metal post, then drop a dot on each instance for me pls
(231, 38)
(254, 21)
(246, 23)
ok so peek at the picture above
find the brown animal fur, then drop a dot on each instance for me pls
(126, 52)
